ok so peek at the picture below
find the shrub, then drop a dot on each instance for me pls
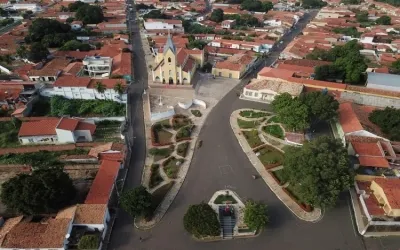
(255, 215)
(136, 202)
(196, 113)
(201, 220)
(89, 242)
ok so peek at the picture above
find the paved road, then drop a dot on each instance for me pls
(221, 164)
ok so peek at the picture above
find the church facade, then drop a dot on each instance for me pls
(176, 66)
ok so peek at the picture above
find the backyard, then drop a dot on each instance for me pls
(274, 130)
(108, 131)
(269, 155)
(172, 167)
(252, 138)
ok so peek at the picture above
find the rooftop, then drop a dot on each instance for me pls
(90, 214)
(102, 185)
(391, 188)
(45, 126)
(389, 80)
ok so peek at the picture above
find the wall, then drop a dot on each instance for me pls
(98, 119)
(162, 115)
(85, 133)
(376, 101)
(65, 135)
(225, 73)
(38, 139)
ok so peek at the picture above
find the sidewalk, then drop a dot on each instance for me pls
(313, 216)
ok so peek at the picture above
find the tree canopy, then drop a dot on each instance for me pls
(201, 220)
(391, 2)
(300, 112)
(37, 52)
(89, 14)
(362, 16)
(51, 33)
(75, 45)
(384, 20)
(320, 171)
(43, 191)
(351, 2)
(255, 215)
(155, 14)
(90, 241)
(311, 4)
(136, 202)
(347, 31)
(73, 7)
(348, 63)
(388, 120)
(395, 67)
(217, 15)
(256, 5)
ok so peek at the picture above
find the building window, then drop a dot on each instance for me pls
(219, 73)
(169, 73)
(230, 75)
(30, 140)
(169, 59)
(248, 93)
(255, 94)
(51, 78)
(162, 73)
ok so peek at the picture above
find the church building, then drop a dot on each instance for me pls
(176, 66)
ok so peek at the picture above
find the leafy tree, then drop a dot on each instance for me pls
(100, 87)
(75, 45)
(90, 241)
(391, 2)
(201, 220)
(311, 4)
(388, 120)
(199, 44)
(73, 7)
(395, 67)
(347, 31)
(136, 202)
(119, 88)
(384, 20)
(243, 20)
(256, 5)
(328, 73)
(320, 171)
(217, 15)
(351, 2)
(255, 215)
(63, 8)
(44, 191)
(22, 51)
(41, 27)
(37, 52)
(321, 106)
(89, 14)
(281, 101)
(69, 20)
(295, 116)
(362, 16)
(142, 6)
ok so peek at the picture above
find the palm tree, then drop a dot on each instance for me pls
(119, 88)
(100, 87)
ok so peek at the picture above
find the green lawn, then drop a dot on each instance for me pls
(247, 124)
(155, 177)
(163, 136)
(293, 189)
(280, 175)
(269, 155)
(252, 138)
(273, 119)
(222, 199)
(161, 153)
(182, 148)
(274, 130)
(252, 114)
(171, 168)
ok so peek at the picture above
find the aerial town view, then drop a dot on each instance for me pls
(200, 124)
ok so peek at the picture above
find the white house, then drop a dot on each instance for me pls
(175, 26)
(97, 66)
(73, 87)
(56, 130)
(265, 90)
(228, 24)
(34, 7)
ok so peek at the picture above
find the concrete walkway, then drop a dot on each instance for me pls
(313, 216)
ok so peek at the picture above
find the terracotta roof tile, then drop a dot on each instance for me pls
(7, 226)
(373, 161)
(90, 214)
(46, 126)
(71, 81)
(68, 124)
(108, 83)
(391, 188)
(368, 149)
(102, 185)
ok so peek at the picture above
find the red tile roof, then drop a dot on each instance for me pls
(46, 126)
(391, 188)
(68, 124)
(373, 161)
(102, 185)
(108, 83)
(72, 81)
(369, 149)
(86, 126)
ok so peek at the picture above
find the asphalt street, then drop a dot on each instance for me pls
(221, 164)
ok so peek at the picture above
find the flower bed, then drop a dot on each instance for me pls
(269, 156)
(252, 114)
(184, 133)
(303, 206)
(252, 138)
(274, 130)
(182, 148)
(225, 199)
(155, 177)
(247, 124)
(275, 178)
(179, 121)
(160, 137)
(157, 197)
(196, 112)
(171, 168)
(161, 153)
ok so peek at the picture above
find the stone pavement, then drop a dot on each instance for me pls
(149, 59)
(313, 216)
